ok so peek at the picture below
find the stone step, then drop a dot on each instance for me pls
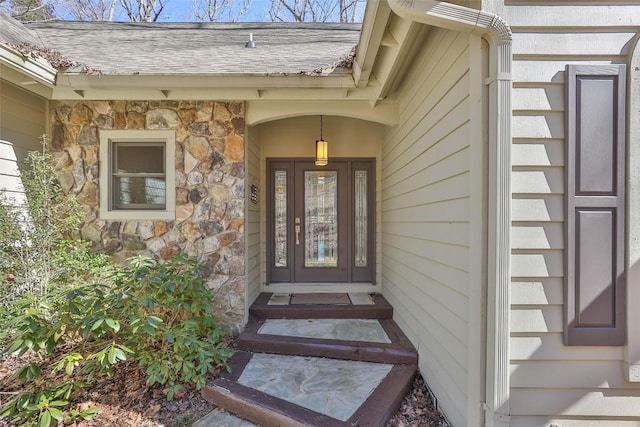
(285, 306)
(369, 340)
(320, 360)
(295, 393)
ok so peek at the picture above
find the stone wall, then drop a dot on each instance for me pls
(209, 186)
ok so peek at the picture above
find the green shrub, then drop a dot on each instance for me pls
(62, 301)
(174, 332)
(37, 239)
(160, 315)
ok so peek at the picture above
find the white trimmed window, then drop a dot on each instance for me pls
(137, 174)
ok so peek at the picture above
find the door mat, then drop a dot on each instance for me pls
(279, 299)
(362, 298)
(320, 299)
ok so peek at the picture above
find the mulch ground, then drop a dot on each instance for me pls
(125, 400)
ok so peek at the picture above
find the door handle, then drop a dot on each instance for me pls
(297, 234)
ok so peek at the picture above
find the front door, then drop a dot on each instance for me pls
(321, 221)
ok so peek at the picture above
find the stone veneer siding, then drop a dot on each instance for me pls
(209, 183)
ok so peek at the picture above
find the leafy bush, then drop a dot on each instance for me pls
(157, 314)
(170, 319)
(82, 315)
(37, 244)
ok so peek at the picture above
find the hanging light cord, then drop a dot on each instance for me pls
(321, 138)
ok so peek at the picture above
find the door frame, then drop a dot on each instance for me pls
(354, 274)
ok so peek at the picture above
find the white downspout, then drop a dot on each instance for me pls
(495, 30)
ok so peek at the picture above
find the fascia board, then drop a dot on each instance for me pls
(225, 87)
(191, 81)
(374, 25)
(227, 93)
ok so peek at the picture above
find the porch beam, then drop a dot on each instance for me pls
(261, 111)
(199, 81)
(66, 93)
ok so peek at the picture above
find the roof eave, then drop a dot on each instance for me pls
(191, 86)
(386, 42)
(26, 71)
(374, 24)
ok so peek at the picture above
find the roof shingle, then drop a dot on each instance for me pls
(122, 48)
(13, 32)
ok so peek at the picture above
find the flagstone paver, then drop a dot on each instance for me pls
(332, 387)
(218, 418)
(368, 330)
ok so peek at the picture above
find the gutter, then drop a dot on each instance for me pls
(38, 70)
(496, 31)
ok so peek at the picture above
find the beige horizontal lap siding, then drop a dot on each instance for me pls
(22, 124)
(425, 216)
(253, 231)
(552, 383)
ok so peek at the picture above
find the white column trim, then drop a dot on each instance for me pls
(632, 349)
(498, 34)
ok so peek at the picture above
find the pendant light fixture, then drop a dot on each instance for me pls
(322, 149)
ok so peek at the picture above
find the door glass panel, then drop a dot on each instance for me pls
(361, 219)
(321, 222)
(280, 215)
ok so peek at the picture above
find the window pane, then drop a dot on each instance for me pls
(321, 222)
(139, 191)
(280, 231)
(147, 158)
(139, 180)
(361, 218)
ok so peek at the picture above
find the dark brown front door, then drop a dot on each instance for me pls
(321, 221)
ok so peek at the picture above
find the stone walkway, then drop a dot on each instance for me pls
(218, 418)
(303, 388)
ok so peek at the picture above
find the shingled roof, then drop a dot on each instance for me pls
(13, 32)
(122, 48)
